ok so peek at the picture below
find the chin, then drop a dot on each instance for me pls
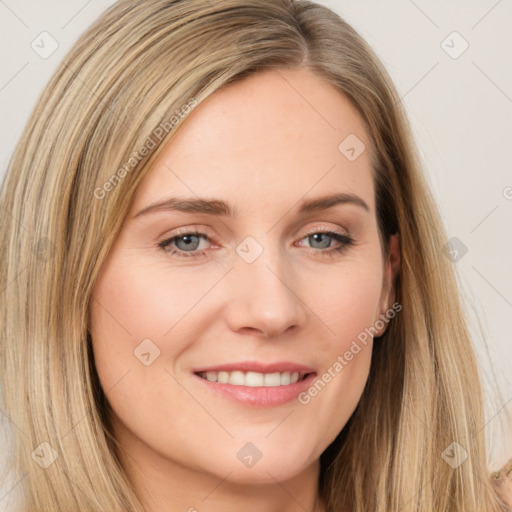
(277, 469)
(263, 463)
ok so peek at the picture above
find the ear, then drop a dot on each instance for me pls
(391, 270)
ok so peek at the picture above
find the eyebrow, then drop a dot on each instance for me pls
(219, 207)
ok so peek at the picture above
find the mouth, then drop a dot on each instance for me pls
(256, 383)
(255, 379)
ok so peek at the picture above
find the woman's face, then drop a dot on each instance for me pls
(256, 296)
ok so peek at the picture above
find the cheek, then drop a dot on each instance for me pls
(141, 313)
(131, 303)
(129, 299)
(123, 312)
(131, 310)
(347, 304)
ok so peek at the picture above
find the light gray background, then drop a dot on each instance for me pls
(461, 113)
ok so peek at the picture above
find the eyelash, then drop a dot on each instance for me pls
(345, 240)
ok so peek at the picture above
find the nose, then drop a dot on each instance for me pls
(263, 297)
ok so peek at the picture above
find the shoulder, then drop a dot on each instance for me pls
(502, 480)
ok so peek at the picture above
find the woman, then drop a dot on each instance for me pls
(172, 337)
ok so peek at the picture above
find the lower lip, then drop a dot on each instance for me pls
(260, 396)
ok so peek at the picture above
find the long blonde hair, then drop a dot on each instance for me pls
(71, 181)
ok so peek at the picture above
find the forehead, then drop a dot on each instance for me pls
(275, 134)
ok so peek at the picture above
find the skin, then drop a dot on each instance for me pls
(264, 148)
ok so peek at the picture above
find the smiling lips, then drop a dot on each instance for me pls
(257, 384)
(256, 374)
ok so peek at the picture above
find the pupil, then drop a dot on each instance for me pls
(320, 235)
(187, 239)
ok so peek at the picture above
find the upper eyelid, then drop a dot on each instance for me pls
(326, 230)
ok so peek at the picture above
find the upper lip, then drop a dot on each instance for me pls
(255, 366)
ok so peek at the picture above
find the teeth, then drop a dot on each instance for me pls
(253, 379)
(212, 376)
(236, 378)
(222, 377)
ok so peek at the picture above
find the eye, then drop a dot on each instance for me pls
(183, 243)
(324, 241)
